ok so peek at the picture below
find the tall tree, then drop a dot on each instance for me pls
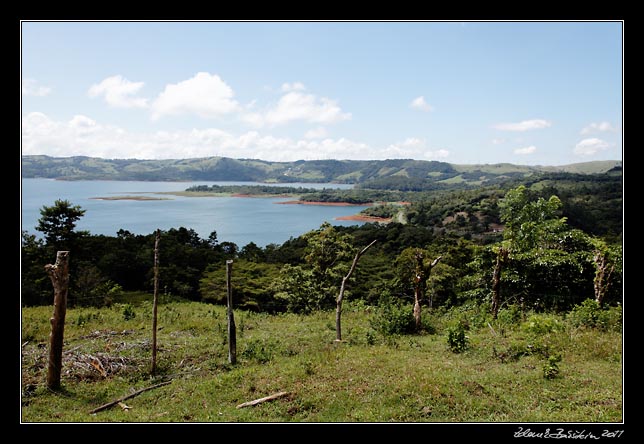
(58, 222)
(546, 262)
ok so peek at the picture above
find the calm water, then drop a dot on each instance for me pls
(238, 220)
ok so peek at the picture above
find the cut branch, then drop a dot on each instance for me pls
(131, 395)
(260, 400)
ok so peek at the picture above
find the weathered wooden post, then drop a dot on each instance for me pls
(59, 275)
(155, 301)
(232, 333)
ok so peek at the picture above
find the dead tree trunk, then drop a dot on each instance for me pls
(338, 302)
(422, 275)
(59, 275)
(501, 257)
(232, 332)
(155, 301)
(602, 275)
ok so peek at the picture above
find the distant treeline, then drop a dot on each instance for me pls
(251, 189)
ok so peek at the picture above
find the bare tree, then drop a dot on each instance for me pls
(421, 275)
(338, 310)
(501, 258)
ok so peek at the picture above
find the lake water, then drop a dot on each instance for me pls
(238, 220)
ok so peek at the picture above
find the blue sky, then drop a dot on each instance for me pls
(537, 93)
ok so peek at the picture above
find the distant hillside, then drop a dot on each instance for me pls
(340, 171)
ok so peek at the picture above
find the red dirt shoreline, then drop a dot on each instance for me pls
(360, 218)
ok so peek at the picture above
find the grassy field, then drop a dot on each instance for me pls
(501, 372)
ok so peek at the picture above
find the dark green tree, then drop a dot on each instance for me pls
(35, 287)
(58, 224)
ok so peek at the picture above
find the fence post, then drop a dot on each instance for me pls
(59, 275)
(232, 334)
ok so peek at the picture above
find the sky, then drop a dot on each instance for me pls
(473, 92)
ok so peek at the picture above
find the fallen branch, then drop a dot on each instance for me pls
(131, 395)
(260, 400)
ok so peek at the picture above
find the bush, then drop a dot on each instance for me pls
(551, 366)
(541, 324)
(510, 315)
(128, 312)
(393, 317)
(590, 315)
(473, 315)
(457, 340)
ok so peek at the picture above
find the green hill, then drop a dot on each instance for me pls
(340, 171)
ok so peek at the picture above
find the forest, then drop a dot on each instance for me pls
(498, 303)
(548, 242)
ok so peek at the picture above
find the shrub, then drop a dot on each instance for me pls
(510, 315)
(392, 317)
(259, 350)
(457, 340)
(541, 324)
(551, 366)
(590, 315)
(128, 312)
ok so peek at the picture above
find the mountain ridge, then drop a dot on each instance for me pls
(217, 168)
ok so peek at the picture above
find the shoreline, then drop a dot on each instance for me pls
(328, 204)
(361, 218)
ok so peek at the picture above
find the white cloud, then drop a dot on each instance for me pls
(526, 150)
(316, 133)
(205, 95)
(30, 87)
(524, 125)
(497, 141)
(590, 147)
(119, 92)
(435, 155)
(296, 105)
(413, 148)
(84, 136)
(598, 127)
(296, 86)
(420, 104)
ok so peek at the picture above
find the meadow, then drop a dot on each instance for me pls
(463, 367)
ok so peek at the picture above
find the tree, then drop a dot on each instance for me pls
(57, 223)
(313, 285)
(531, 224)
(35, 286)
(338, 310)
(541, 259)
(501, 258)
(252, 252)
(607, 260)
(415, 269)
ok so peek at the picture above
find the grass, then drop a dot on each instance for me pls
(366, 378)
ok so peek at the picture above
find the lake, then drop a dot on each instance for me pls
(238, 220)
